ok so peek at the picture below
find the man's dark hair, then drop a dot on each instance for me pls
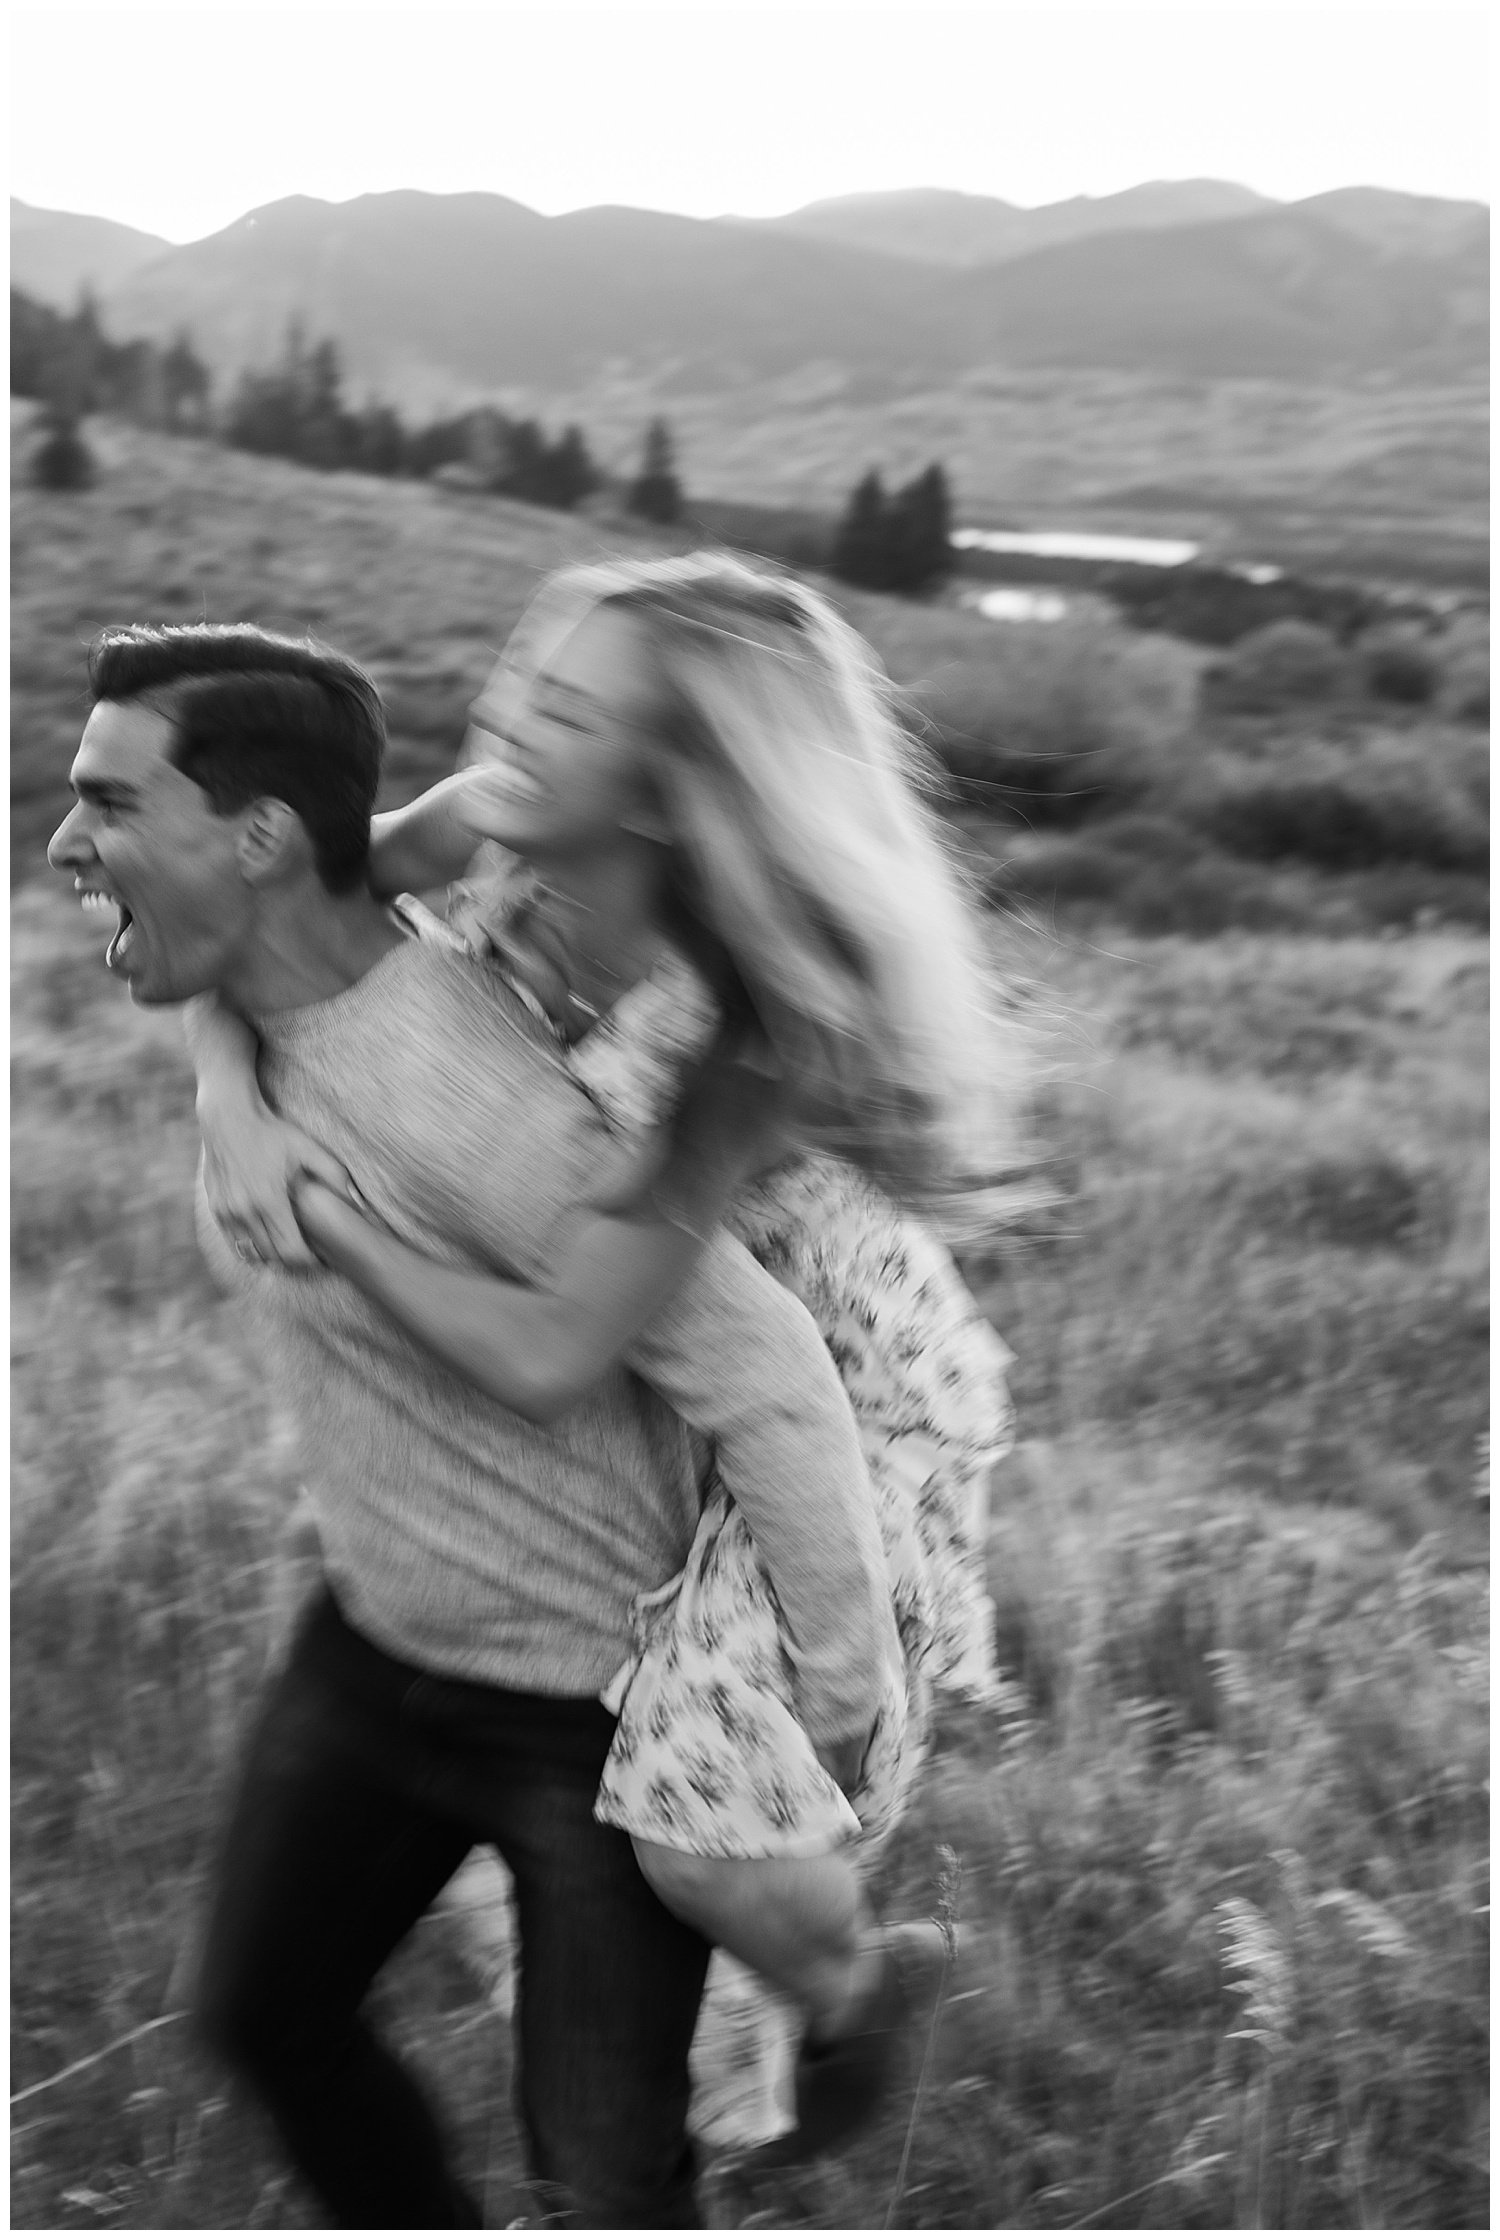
(255, 715)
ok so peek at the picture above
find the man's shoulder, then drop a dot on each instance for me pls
(424, 971)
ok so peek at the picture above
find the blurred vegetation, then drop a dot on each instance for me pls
(1223, 1851)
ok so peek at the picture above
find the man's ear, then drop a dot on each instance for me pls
(273, 842)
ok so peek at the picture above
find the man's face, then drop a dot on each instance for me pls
(143, 839)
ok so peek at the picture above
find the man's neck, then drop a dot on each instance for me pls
(309, 945)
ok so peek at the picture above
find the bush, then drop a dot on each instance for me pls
(1201, 898)
(1064, 720)
(1413, 894)
(62, 460)
(1148, 839)
(1361, 1200)
(1413, 798)
(1471, 699)
(1463, 655)
(1062, 870)
(1400, 669)
(1278, 667)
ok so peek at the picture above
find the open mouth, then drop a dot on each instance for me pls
(94, 898)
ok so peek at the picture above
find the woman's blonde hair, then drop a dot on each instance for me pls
(792, 794)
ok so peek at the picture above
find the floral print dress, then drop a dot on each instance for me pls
(709, 1756)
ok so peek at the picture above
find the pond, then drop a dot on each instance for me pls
(1078, 544)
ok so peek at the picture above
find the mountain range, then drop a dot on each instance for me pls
(439, 299)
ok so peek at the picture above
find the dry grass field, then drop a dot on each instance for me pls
(1223, 1857)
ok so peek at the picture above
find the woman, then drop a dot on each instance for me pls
(702, 768)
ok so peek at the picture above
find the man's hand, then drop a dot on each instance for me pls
(252, 1163)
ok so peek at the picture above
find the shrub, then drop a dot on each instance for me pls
(1400, 669)
(1147, 839)
(1463, 654)
(1062, 869)
(62, 460)
(1063, 720)
(1416, 799)
(1201, 898)
(1277, 667)
(1413, 894)
(1364, 1200)
(1471, 699)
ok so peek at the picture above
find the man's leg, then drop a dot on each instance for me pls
(610, 1986)
(325, 1868)
(610, 1983)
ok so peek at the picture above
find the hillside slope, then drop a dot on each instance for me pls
(434, 294)
(420, 583)
(54, 253)
(436, 298)
(1284, 292)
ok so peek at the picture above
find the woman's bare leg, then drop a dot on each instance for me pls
(802, 1923)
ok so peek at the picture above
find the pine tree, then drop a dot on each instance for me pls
(918, 523)
(860, 553)
(656, 493)
(62, 460)
(524, 474)
(379, 440)
(185, 383)
(571, 472)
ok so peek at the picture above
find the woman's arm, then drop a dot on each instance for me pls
(423, 845)
(434, 838)
(251, 1158)
(538, 1352)
(541, 1351)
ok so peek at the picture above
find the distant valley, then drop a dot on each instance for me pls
(1188, 356)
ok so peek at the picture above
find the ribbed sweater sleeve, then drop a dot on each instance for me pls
(739, 1359)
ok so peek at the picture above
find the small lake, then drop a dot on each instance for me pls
(1014, 602)
(1078, 544)
(1036, 603)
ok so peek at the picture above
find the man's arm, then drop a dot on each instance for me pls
(740, 1359)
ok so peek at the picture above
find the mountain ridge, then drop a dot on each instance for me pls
(442, 299)
(935, 224)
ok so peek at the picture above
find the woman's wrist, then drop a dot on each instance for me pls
(340, 1236)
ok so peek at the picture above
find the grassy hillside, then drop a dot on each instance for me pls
(1222, 1857)
(1372, 479)
(420, 583)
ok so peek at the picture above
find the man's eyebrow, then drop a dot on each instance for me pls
(105, 790)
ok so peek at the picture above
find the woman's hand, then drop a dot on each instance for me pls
(482, 802)
(335, 1233)
(252, 1164)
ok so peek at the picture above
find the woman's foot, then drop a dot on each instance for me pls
(848, 2064)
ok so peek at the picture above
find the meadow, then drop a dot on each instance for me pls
(1221, 1858)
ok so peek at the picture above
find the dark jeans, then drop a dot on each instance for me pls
(366, 1784)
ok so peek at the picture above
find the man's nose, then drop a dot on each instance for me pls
(68, 844)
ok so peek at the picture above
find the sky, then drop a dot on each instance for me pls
(178, 120)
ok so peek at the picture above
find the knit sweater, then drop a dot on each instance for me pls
(457, 1535)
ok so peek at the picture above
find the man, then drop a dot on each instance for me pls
(482, 1572)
